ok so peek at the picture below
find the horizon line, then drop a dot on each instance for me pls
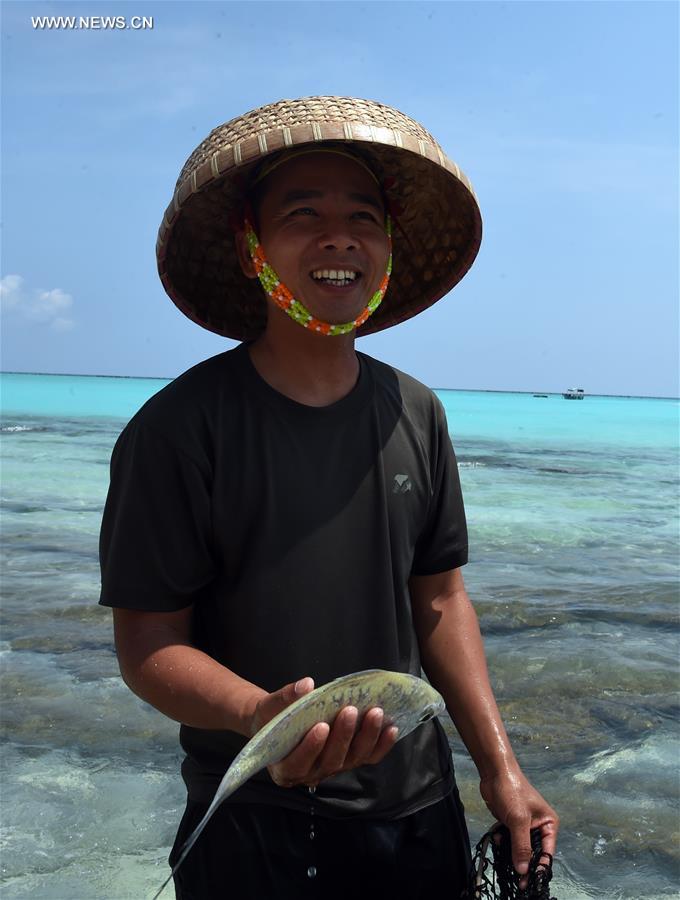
(474, 390)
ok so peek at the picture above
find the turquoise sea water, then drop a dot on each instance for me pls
(572, 510)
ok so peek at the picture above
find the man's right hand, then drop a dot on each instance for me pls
(325, 750)
(159, 663)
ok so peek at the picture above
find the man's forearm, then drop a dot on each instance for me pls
(453, 657)
(158, 663)
(452, 654)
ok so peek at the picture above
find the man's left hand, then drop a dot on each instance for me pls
(519, 806)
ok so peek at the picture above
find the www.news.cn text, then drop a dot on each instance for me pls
(93, 23)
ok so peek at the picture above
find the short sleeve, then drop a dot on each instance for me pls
(443, 543)
(155, 542)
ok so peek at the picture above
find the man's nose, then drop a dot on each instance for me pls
(338, 236)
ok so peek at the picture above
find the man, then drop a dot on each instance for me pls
(290, 511)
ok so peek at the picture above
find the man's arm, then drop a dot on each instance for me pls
(159, 663)
(453, 659)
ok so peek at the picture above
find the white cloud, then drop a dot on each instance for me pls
(61, 324)
(50, 308)
(10, 288)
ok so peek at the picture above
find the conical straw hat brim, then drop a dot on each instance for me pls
(435, 241)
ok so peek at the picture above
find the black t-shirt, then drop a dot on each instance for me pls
(293, 531)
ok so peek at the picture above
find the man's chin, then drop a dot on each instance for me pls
(337, 314)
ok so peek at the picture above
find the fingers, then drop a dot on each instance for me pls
(363, 745)
(272, 704)
(326, 751)
(335, 752)
(521, 808)
(296, 768)
(352, 743)
(321, 753)
(520, 842)
(522, 851)
(365, 742)
(549, 835)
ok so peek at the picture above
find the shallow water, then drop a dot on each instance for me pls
(573, 527)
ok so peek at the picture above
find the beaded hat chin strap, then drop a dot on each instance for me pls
(279, 293)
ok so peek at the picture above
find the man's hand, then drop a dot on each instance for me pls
(519, 806)
(325, 750)
(453, 657)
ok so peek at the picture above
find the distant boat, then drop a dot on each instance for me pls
(540, 395)
(574, 394)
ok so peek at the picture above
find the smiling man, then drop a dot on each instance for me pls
(290, 511)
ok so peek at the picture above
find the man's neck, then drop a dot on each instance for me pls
(312, 369)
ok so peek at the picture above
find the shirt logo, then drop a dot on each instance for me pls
(401, 485)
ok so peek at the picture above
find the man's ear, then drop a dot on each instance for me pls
(243, 254)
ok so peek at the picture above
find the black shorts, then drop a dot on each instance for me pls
(257, 852)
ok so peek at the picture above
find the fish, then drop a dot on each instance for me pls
(407, 703)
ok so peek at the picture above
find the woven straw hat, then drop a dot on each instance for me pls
(436, 238)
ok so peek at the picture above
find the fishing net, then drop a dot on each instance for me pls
(493, 877)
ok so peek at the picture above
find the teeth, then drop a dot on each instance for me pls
(335, 274)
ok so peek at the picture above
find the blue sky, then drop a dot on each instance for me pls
(563, 114)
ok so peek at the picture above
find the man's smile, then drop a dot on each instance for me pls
(336, 278)
(325, 240)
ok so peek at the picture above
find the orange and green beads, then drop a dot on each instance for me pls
(283, 298)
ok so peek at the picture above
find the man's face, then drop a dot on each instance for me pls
(322, 229)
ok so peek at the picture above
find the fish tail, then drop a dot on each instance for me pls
(162, 887)
(227, 786)
(189, 843)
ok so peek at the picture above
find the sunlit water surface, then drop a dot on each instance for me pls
(573, 530)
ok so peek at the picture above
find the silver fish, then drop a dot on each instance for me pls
(407, 702)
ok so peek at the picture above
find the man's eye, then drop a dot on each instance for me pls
(366, 215)
(303, 211)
